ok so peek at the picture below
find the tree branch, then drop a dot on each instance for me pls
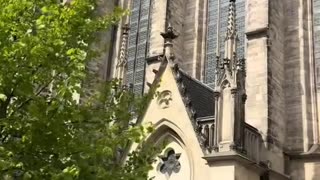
(39, 91)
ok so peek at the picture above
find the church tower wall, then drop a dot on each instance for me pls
(187, 18)
(302, 129)
(258, 111)
(158, 20)
(307, 168)
(257, 64)
(265, 107)
(301, 112)
(276, 79)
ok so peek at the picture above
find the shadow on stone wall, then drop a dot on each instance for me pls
(298, 100)
(307, 168)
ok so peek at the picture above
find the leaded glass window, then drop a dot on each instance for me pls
(212, 33)
(138, 42)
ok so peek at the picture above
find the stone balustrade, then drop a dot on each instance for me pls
(252, 143)
(252, 140)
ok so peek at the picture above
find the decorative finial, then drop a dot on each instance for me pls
(231, 29)
(123, 49)
(231, 39)
(125, 29)
(169, 36)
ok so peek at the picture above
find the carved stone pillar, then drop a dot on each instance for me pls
(216, 117)
(233, 118)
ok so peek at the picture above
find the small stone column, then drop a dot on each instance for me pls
(121, 67)
(216, 125)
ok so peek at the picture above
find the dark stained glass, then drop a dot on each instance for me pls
(211, 41)
(134, 22)
(138, 42)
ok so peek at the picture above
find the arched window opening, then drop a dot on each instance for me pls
(138, 43)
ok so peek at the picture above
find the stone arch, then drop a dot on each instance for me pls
(166, 129)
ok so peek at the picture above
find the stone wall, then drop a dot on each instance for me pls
(292, 74)
(244, 173)
(257, 64)
(200, 40)
(158, 18)
(187, 18)
(100, 68)
(304, 169)
(189, 36)
(175, 14)
(265, 108)
(301, 117)
(276, 79)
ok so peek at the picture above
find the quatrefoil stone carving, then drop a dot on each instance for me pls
(170, 163)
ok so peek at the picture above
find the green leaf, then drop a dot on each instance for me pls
(3, 97)
(47, 49)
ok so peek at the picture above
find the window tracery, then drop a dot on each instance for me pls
(170, 163)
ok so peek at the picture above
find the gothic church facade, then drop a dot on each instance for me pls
(238, 85)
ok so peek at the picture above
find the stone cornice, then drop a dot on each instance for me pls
(301, 156)
(260, 167)
(154, 58)
(256, 33)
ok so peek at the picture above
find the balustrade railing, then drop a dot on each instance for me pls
(252, 143)
(252, 140)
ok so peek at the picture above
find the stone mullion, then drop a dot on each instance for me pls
(216, 121)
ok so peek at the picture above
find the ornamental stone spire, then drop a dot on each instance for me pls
(229, 93)
(231, 29)
(169, 36)
(231, 38)
(122, 61)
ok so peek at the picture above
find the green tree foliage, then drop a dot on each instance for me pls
(44, 132)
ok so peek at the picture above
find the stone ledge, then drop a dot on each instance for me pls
(312, 154)
(229, 155)
(242, 159)
(154, 58)
(301, 156)
(256, 33)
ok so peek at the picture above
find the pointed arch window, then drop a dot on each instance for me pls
(213, 32)
(138, 43)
